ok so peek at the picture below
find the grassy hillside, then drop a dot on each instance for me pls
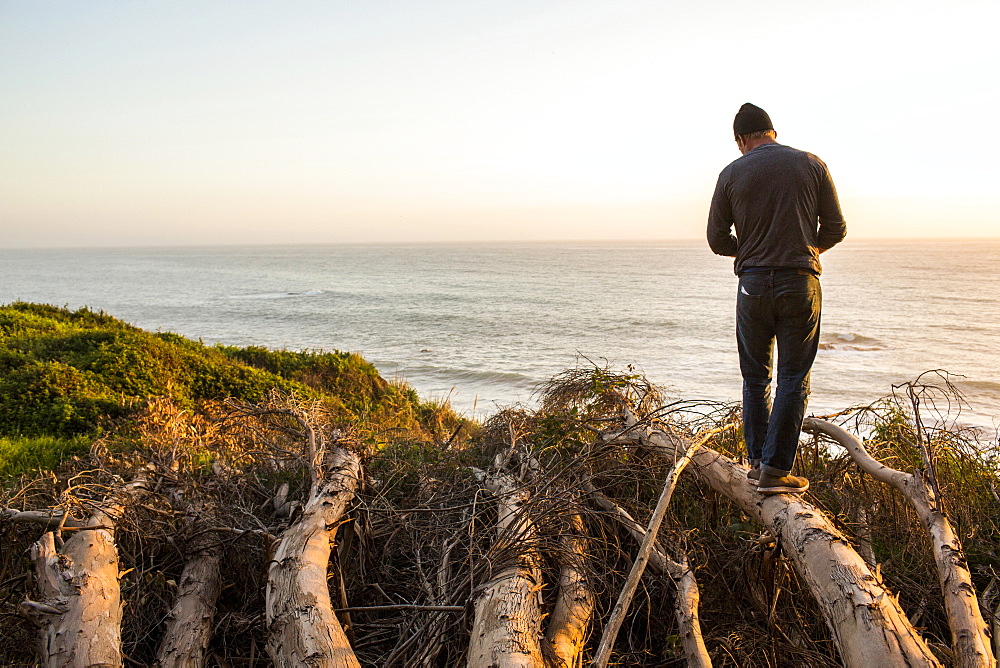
(67, 376)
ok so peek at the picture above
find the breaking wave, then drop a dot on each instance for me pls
(850, 341)
(279, 295)
(471, 376)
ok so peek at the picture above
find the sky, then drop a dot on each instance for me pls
(180, 122)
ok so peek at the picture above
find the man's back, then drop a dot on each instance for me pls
(784, 209)
(783, 205)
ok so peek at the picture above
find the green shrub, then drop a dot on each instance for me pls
(67, 373)
(24, 455)
(347, 376)
(52, 398)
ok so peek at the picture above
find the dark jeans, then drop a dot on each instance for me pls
(782, 305)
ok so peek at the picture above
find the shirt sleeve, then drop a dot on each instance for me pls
(721, 239)
(832, 228)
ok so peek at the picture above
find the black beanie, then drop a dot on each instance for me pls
(751, 118)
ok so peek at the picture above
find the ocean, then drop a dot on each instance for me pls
(482, 325)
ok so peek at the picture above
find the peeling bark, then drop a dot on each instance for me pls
(567, 627)
(508, 618)
(969, 632)
(865, 620)
(190, 622)
(80, 611)
(302, 627)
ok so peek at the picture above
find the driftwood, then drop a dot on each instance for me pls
(190, 621)
(567, 627)
(508, 618)
(688, 596)
(79, 611)
(865, 620)
(302, 627)
(970, 635)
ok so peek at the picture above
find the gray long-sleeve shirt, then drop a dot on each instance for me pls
(783, 205)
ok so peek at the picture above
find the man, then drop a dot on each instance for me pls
(783, 206)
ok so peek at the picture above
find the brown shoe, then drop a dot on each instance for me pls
(753, 476)
(788, 484)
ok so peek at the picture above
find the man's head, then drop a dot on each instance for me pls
(752, 127)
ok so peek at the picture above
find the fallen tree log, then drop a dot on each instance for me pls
(864, 619)
(567, 627)
(970, 641)
(508, 617)
(190, 621)
(79, 611)
(302, 627)
(80, 608)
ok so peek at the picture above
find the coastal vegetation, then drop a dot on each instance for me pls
(67, 377)
(243, 506)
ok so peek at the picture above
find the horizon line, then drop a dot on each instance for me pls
(480, 242)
